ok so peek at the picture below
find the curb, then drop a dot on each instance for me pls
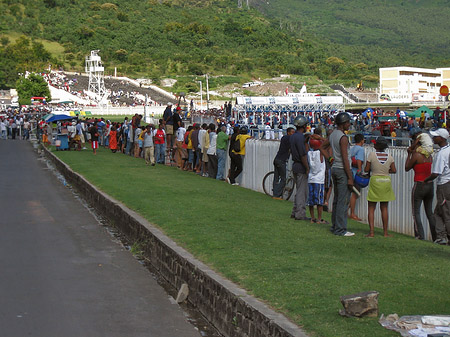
(227, 307)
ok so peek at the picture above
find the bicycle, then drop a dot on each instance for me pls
(267, 184)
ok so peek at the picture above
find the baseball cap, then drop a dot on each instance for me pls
(440, 133)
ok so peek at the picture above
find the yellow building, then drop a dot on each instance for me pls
(408, 84)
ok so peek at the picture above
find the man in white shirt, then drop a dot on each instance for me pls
(181, 131)
(441, 171)
(3, 129)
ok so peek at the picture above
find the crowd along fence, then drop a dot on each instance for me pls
(259, 160)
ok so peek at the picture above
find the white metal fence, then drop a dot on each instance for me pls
(258, 161)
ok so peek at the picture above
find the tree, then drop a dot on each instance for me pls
(32, 86)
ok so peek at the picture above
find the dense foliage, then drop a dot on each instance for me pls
(388, 33)
(32, 85)
(19, 57)
(156, 38)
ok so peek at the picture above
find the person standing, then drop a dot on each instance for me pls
(300, 167)
(113, 139)
(341, 174)
(441, 171)
(316, 182)
(180, 132)
(221, 151)
(279, 164)
(168, 124)
(149, 150)
(237, 156)
(357, 158)
(93, 131)
(3, 129)
(420, 162)
(381, 164)
(211, 151)
(159, 141)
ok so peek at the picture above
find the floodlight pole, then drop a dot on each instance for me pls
(207, 93)
(201, 95)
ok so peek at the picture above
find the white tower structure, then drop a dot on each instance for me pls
(96, 71)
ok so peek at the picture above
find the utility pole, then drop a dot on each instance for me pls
(201, 95)
(207, 93)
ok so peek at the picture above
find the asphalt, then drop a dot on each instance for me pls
(61, 273)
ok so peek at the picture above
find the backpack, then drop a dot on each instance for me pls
(237, 146)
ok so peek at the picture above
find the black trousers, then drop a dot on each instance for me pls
(235, 167)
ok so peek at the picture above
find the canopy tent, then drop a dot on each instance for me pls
(418, 112)
(58, 118)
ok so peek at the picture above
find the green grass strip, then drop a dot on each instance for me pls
(298, 268)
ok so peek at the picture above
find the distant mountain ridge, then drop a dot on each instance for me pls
(417, 28)
(334, 40)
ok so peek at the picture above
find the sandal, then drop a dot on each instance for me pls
(313, 220)
(322, 221)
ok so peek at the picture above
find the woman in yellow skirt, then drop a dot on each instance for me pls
(380, 164)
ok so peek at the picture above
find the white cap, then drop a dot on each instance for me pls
(440, 133)
(169, 104)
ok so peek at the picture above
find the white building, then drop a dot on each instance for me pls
(408, 84)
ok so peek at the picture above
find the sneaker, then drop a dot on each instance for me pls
(235, 184)
(228, 180)
(441, 241)
(349, 234)
(277, 198)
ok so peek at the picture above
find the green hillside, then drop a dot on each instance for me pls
(153, 38)
(389, 33)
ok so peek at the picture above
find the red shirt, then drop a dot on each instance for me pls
(421, 171)
(159, 136)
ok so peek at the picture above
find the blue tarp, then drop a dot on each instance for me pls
(59, 118)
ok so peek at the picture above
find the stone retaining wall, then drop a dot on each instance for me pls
(228, 308)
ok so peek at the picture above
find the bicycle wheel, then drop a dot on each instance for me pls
(288, 188)
(267, 183)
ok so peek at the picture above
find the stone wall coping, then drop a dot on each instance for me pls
(283, 322)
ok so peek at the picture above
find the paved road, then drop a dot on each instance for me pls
(61, 274)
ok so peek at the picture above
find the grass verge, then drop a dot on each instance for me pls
(298, 268)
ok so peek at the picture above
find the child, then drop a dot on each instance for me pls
(316, 182)
(357, 155)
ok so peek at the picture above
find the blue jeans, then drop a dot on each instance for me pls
(128, 146)
(341, 200)
(160, 153)
(221, 157)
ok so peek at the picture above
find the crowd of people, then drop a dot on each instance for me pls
(322, 162)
